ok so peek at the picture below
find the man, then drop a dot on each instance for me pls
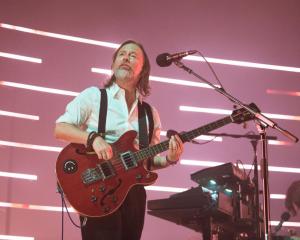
(129, 82)
(292, 201)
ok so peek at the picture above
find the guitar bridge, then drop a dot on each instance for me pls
(90, 175)
(102, 171)
(128, 160)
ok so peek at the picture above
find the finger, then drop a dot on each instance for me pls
(178, 140)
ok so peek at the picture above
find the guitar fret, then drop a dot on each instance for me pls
(186, 137)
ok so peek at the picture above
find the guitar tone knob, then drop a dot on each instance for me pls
(102, 188)
(70, 166)
(138, 177)
(93, 198)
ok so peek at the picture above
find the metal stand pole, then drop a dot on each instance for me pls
(265, 181)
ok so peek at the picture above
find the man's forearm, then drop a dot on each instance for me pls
(70, 133)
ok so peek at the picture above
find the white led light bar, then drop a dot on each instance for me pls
(277, 196)
(18, 175)
(37, 88)
(281, 92)
(114, 45)
(160, 79)
(20, 57)
(19, 115)
(286, 224)
(34, 207)
(11, 237)
(246, 166)
(243, 64)
(30, 146)
(227, 112)
(165, 189)
(59, 36)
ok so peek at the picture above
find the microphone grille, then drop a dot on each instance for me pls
(162, 61)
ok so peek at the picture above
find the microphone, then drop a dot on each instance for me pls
(284, 217)
(166, 59)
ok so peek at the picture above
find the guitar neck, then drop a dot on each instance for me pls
(185, 137)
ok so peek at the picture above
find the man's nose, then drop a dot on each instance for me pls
(125, 58)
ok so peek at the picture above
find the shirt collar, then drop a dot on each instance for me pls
(115, 90)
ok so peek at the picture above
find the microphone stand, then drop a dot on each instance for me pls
(264, 123)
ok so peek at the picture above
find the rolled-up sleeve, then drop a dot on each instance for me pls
(79, 109)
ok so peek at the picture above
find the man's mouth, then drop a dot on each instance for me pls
(124, 66)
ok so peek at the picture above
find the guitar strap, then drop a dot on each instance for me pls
(144, 109)
(102, 112)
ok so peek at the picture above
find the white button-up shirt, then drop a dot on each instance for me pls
(83, 111)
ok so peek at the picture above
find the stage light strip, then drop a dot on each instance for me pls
(115, 46)
(160, 79)
(286, 224)
(59, 36)
(71, 210)
(165, 189)
(11, 237)
(202, 137)
(39, 89)
(34, 207)
(244, 64)
(18, 175)
(30, 146)
(178, 190)
(228, 112)
(281, 92)
(246, 166)
(277, 196)
(19, 115)
(20, 57)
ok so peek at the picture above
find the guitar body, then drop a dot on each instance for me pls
(95, 187)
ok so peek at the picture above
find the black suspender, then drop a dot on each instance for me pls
(143, 110)
(102, 112)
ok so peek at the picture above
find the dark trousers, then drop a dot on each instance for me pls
(124, 224)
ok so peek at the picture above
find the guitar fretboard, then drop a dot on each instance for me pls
(185, 137)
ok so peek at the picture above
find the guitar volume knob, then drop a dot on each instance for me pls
(70, 166)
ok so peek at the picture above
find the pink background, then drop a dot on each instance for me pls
(254, 31)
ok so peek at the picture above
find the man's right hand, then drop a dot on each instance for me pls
(102, 148)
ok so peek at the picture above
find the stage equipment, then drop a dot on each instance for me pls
(264, 122)
(221, 206)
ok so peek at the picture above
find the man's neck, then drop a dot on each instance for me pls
(130, 93)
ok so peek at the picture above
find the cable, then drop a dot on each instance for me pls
(64, 205)
(211, 68)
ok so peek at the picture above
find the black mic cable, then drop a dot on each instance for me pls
(285, 216)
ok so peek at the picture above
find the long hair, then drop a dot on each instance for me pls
(143, 83)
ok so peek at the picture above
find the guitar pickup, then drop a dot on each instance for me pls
(106, 169)
(128, 160)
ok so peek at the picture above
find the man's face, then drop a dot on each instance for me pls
(128, 64)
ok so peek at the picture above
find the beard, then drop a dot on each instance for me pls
(123, 74)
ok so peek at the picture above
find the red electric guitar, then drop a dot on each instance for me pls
(97, 188)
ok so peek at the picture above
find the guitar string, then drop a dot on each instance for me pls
(119, 165)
